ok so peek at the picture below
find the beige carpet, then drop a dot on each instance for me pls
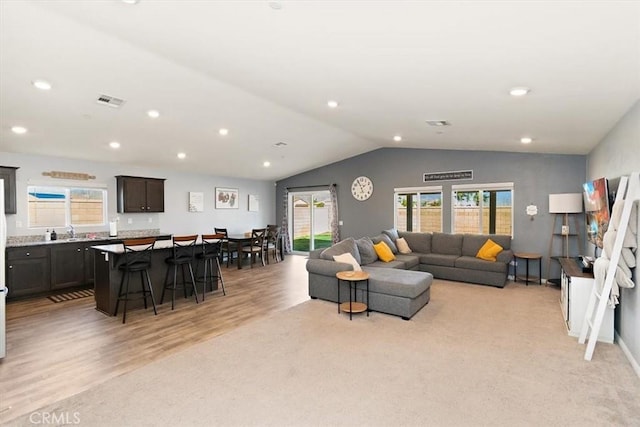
(473, 356)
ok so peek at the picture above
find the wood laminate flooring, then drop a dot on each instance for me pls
(58, 350)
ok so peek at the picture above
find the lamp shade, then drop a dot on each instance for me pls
(565, 203)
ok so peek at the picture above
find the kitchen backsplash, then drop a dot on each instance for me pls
(123, 234)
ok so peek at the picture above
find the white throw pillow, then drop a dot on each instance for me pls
(347, 258)
(403, 246)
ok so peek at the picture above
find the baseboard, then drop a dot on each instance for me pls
(634, 364)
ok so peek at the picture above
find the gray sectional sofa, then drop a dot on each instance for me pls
(402, 287)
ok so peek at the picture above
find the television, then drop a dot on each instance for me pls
(597, 208)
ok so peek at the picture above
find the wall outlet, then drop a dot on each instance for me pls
(340, 222)
(129, 220)
(18, 224)
(150, 220)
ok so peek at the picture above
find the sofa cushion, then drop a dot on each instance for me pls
(407, 284)
(438, 259)
(347, 258)
(473, 242)
(403, 246)
(473, 263)
(346, 245)
(384, 252)
(395, 264)
(392, 233)
(384, 238)
(447, 244)
(418, 242)
(367, 252)
(489, 251)
(411, 262)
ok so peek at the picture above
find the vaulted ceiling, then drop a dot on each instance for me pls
(266, 70)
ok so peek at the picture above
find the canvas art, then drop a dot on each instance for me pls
(226, 198)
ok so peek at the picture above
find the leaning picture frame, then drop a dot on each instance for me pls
(226, 198)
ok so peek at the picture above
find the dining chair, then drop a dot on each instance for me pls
(210, 257)
(256, 248)
(272, 242)
(183, 255)
(136, 259)
(227, 247)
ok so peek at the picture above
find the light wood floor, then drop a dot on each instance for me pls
(58, 350)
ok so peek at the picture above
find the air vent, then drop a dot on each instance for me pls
(111, 101)
(280, 144)
(438, 123)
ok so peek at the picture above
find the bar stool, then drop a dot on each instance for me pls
(183, 255)
(136, 259)
(210, 255)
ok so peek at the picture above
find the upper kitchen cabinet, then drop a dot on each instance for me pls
(137, 194)
(8, 173)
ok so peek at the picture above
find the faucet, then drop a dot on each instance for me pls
(72, 232)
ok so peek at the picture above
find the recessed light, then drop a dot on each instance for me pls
(41, 84)
(526, 140)
(266, 164)
(223, 131)
(397, 138)
(130, 1)
(280, 144)
(19, 130)
(182, 156)
(519, 91)
(114, 144)
(275, 5)
(154, 114)
(332, 104)
(438, 123)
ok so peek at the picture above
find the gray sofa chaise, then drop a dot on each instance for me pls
(403, 286)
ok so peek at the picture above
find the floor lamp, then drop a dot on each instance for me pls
(565, 203)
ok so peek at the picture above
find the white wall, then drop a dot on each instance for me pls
(618, 154)
(175, 220)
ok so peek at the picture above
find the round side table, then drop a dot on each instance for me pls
(527, 256)
(352, 278)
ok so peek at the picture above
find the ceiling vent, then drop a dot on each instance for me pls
(110, 101)
(438, 123)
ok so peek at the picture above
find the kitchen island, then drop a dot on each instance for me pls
(108, 275)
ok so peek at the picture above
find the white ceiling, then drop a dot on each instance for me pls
(266, 75)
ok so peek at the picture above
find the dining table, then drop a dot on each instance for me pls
(240, 240)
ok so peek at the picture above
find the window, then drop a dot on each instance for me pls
(65, 206)
(482, 209)
(418, 209)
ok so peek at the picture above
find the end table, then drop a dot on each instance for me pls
(352, 278)
(527, 256)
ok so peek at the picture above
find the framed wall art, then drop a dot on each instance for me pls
(226, 198)
(196, 202)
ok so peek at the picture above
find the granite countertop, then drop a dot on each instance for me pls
(97, 240)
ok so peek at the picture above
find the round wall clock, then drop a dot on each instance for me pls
(362, 188)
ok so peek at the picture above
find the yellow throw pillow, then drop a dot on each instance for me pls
(384, 252)
(489, 250)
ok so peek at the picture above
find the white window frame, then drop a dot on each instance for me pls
(66, 187)
(483, 187)
(417, 190)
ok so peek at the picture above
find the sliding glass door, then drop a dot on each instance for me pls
(310, 214)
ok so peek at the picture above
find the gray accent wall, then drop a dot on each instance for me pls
(176, 219)
(616, 155)
(535, 176)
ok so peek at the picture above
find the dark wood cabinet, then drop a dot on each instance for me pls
(67, 265)
(28, 271)
(138, 194)
(8, 173)
(89, 257)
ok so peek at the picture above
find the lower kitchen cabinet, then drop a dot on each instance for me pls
(28, 271)
(67, 265)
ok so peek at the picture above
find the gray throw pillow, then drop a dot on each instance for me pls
(384, 238)
(392, 233)
(367, 251)
(344, 246)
